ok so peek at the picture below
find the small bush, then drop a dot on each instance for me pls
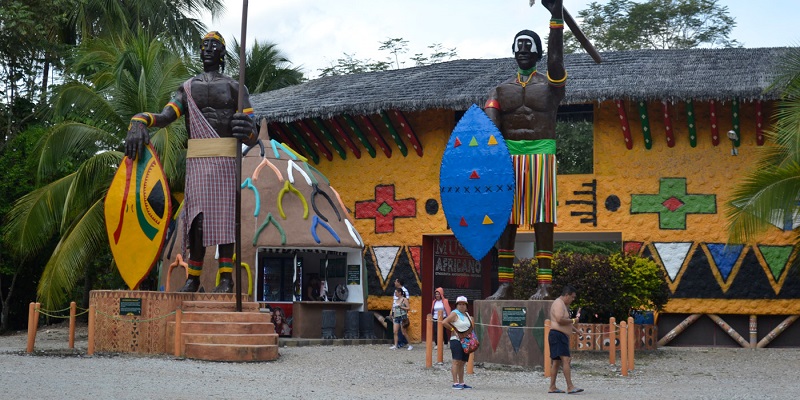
(607, 286)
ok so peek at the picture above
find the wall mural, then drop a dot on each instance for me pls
(385, 263)
(588, 214)
(721, 271)
(672, 203)
(384, 208)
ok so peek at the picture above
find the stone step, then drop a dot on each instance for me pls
(253, 339)
(211, 305)
(231, 352)
(242, 328)
(225, 316)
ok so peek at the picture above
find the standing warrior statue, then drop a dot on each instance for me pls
(209, 101)
(524, 109)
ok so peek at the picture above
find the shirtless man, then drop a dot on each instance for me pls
(561, 327)
(209, 102)
(524, 109)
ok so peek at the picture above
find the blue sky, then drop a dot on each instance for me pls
(313, 34)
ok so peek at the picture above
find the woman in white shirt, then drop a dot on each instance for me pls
(459, 324)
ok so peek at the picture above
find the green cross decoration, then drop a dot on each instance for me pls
(672, 203)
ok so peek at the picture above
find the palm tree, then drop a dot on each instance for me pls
(266, 67)
(769, 194)
(127, 76)
(177, 19)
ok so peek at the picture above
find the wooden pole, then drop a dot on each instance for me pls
(631, 342)
(31, 326)
(238, 231)
(440, 339)
(678, 329)
(623, 347)
(36, 319)
(612, 341)
(178, 332)
(471, 364)
(72, 311)
(777, 331)
(429, 341)
(730, 331)
(753, 331)
(90, 346)
(546, 362)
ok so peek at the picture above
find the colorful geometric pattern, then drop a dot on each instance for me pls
(385, 208)
(672, 203)
(385, 263)
(698, 270)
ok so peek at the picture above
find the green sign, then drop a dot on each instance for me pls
(353, 274)
(130, 306)
(514, 316)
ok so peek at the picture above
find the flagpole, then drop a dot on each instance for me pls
(238, 245)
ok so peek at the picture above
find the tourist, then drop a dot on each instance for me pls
(400, 316)
(440, 303)
(459, 324)
(561, 327)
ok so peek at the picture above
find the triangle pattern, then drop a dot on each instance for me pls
(463, 222)
(516, 335)
(487, 220)
(474, 175)
(495, 331)
(473, 142)
(777, 257)
(415, 257)
(673, 255)
(725, 257)
(384, 257)
(538, 334)
(457, 143)
(492, 141)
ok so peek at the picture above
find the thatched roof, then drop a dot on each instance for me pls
(699, 74)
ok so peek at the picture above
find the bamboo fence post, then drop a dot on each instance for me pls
(440, 338)
(623, 347)
(612, 341)
(178, 331)
(546, 360)
(429, 341)
(471, 364)
(31, 327)
(631, 343)
(777, 331)
(753, 331)
(678, 329)
(730, 331)
(90, 345)
(72, 310)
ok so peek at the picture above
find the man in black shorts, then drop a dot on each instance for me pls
(561, 327)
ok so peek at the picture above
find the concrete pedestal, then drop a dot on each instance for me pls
(511, 332)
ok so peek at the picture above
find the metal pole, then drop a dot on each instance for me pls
(238, 246)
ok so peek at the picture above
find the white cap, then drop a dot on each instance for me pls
(461, 299)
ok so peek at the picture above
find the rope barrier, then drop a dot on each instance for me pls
(533, 327)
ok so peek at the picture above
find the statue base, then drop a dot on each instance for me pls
(511, 332)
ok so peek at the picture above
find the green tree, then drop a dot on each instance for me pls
(129, 75)
(768, 194)
(349, 64)
(654, 24)
(266, 67)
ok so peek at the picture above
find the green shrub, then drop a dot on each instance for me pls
(607, 286)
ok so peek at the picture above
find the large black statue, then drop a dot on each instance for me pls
(209, 102)
(524, 109)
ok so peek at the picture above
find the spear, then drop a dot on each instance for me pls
(238, 246)
(576, 30)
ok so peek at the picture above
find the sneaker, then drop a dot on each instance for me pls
(393, 348)
(465, 386)
(457, 386)
(410, 347)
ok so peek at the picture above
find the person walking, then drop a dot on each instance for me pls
(400, 316)
(561, 327)
(459, 324)
(440, 303)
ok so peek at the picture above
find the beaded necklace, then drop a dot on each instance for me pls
(530, 76)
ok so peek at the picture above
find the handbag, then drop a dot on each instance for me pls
(406, 322)
(469, 342)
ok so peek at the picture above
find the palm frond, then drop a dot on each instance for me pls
(82, 241)
(67, 140)
(35, 217)
(91, 183)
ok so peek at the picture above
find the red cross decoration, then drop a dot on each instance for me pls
(385, 208)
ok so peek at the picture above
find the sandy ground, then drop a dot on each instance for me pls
(53, 371)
